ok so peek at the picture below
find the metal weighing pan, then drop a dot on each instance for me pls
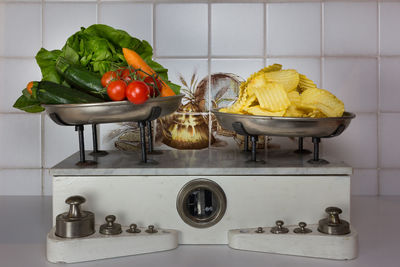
(285, 126)
(114, 111)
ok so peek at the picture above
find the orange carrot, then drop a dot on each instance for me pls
(134, 60)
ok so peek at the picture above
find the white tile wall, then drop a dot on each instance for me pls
(351, 48)
(235, 30)
(294, 29)
(389, 148)
(21, 29)
(184, 34)
(358, 144)
(11, 72)
(61, 20)
(389, 84)
(351, 28)
(390, 19)
(62, 141)
(20, 141)
(354, 80)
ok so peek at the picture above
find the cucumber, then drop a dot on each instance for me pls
(80, 78)
(52, 93)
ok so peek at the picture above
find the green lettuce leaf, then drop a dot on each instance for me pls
(27, 103)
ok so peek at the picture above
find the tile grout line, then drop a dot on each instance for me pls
(322, 52)
(42, 146)
(378, 132)
(265, 28)
(209, 15)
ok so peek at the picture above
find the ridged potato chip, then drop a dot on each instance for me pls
(305, 83)
(272, 97)
(293, 111)
(288, 78)
(322, 100)
(257, 110)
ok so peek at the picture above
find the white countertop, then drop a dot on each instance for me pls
(25, 221)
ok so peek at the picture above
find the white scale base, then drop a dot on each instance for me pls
(99, 246)
(314, 244)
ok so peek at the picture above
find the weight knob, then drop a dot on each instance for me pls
(279, 229)
(151, 229)
(133, 229)
(110, 228)
(302, 229)
(259, 230)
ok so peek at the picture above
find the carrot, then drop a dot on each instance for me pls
(134, 60)
(29, 87)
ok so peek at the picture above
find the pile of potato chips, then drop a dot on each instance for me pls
(276, 92)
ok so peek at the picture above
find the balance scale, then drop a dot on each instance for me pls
(214, 196)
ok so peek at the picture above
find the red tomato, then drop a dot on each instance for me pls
(116, 90)
(125, 75)
(155, 86)
(137, 92)
(108, 77)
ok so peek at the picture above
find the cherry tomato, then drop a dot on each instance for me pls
(125, 75)
(137, 92)
(155, 87)
(29, 87)
(116, 90)
(108, 77)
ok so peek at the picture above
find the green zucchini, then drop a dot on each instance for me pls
(52, 93)
(80, 78)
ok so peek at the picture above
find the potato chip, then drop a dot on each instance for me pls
(272, 97)
(274, 67)
(294, 98)
(323, 101)
(275, 92)
(257, 110)
(293, 111)
(288, 78)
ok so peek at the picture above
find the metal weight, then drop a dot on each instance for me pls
(75, 223)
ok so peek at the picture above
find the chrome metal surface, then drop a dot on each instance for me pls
(108, 112)
(110, 228)
(286, 126)
(201, 203)
(279, 229)
(333, 225)
(75, 223)
(302, 229)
